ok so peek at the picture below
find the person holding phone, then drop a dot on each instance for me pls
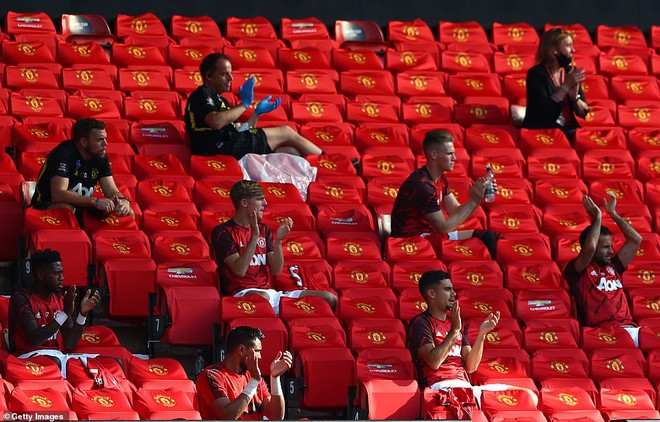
(554, 90)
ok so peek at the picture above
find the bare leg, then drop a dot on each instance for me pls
(257, 293)
(284, 136)
(329, 297)
(288, 150)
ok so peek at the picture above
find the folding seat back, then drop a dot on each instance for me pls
(514, 33)
(310, 81)
(316, 111)
(638, 116)
(623, 36)
(308, 58)
(117, 244)
(463, 250)
(609, 363)
(645, 303)
(507, 401)
(607, 164)
(305, 28)
(359, 34)
(366, 305)
(414, 83)
(303, 245)
(464, 85)
(367, 82)
(75, 248)
(344, 218)
(146, 24)
(250, 58)
(333, 192)
(136, 109)
(555, 364)
(252, 306)
(34, 22)
(645, 88)
(144, 78)
(373, 333)
(362, 60)
(199, 30)
(624, 399)
(536, 248)
(588, 138)
(565, 399)
(559, 191)
(410, 248)
(532, 275)
(504, 162)
(474, 274)
(560, 220)
(461, 32)
(167, 403)
(315, 333)
(304, 307)
(326, 374)
(39, 400)
(87, 79)
(464, 61)
(304, 274)
(34, 105)
(179, 245)
(256, 27)
(19, 77)
(156, 191)
(492, 368)
(514, 218)
(348, 274)
(403, 61)
(506, 335)
(31, 369)
(642, 275)
(505, 64)
(549, 336)
(141, 283)
(105, 403)
(546, 304)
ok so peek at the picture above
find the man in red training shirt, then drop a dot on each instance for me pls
(594, 276)
(234, 389)
(437, 340)
(39, 313)
(247, 254)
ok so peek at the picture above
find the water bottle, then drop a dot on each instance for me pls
(490, 189)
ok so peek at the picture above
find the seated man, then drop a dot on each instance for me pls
(233, 389)
(439, 344)
(38, 314)
(424, 197)
(69, 175)
(594, 276)
(211, 121)
(246, 252)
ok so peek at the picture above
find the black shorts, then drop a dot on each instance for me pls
(251, 141)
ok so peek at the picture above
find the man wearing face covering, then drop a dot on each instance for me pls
(554, 93)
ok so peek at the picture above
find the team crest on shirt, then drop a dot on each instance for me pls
(209, 101)
(261, 242)
(610, 270)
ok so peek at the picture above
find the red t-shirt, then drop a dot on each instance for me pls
(230, 238)
(26, 305)
(599, 294)
(419, 195)
(425, 328)
(218, 381)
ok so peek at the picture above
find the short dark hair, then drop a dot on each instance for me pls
(604, 231)
(245, 189)
(435, 138)
(243, 335)
(208, 63)
(41, 258)
(84, 127)
(430, 279)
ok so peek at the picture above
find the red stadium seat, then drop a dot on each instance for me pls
(461, 32)
(623, 36)
(363, 60)
(304, 307)
(106, 403)
(128, 295)
(306, 28)
(559, 364)
(464, 85)
(543, 304)
(514, 218)
(256, 27)
(348, 274)
(639, 115)
(196, 31)
(607, 363)
(515, 33)
(357, 35)
(598, 164)
(376, 333)
(164, 404)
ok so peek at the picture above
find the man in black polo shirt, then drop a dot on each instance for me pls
(211, 121)
(424, 198)
(72, 169)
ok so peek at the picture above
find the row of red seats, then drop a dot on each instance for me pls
(188, 30)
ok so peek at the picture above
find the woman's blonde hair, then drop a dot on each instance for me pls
(550, 38)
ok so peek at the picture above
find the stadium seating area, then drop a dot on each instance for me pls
(360, 95)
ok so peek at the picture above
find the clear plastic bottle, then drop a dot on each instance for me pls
(490, 188)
